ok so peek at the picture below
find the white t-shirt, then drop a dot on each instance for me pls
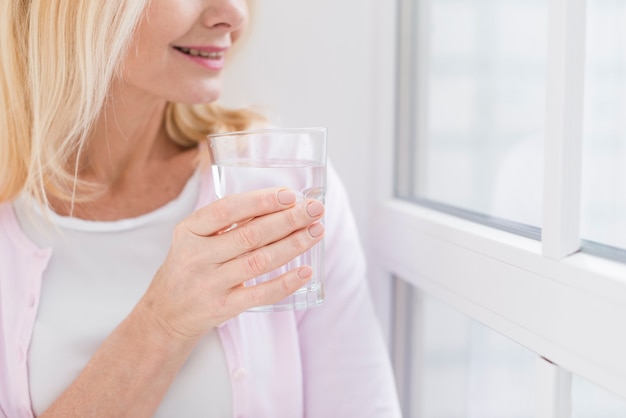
(97, 273)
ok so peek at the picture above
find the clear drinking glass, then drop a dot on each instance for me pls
(293, 158)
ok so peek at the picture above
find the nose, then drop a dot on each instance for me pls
(230, 15)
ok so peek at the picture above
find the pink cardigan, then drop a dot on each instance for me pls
(324, 362)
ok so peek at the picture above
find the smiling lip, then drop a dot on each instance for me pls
(209, 57)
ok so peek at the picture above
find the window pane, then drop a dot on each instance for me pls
(604, 152)
(460, 368)
(591, 401)
(477, 121)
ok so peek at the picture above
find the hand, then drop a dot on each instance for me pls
(200, 284)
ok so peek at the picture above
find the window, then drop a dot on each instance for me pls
(460, 368)
(475, 105)
(503, 221)
(590, 401)
(604, 134)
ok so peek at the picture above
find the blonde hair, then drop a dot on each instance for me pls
(57, 61)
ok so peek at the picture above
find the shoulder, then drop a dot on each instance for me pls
(12, 239)
(7, 217)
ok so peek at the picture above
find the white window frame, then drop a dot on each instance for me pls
(567, 306)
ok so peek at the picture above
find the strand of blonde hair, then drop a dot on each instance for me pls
(58, 60)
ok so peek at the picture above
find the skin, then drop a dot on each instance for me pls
(199, 285)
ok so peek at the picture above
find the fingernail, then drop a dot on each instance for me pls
(316, 229)
(286, 197)
(315, 208)
(305, 272)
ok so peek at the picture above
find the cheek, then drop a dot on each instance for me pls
(148, 62)
(166, 76)
(140, 68)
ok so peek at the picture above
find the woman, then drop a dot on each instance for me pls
(120, 283)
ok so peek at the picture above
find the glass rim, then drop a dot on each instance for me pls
(317, 129)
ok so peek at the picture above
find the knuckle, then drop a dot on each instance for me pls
(223, 303)
(266, 202)
(257, 296)
(247, 237)
(285, 289)
(180, 232)
(223, 209)
(291, 219)
(257, 263)
(270, 292)
(301, 241)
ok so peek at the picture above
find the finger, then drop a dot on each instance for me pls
(272, 256)
(272, 291)
(224, 213)
(264, 230)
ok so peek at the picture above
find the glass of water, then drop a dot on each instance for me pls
(294, 158)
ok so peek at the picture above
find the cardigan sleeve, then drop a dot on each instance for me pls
(346, 367)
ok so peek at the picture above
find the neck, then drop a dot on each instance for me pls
(128, 135)
(131, 156)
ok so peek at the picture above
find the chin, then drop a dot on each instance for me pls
(200, 100)
(200, 96)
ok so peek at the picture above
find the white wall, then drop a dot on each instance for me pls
(314, 63)
(309, 64)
